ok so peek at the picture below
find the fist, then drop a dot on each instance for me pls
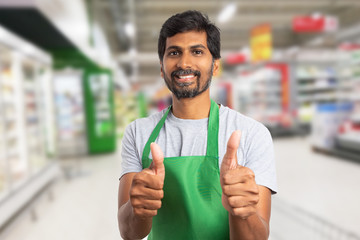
(146, 190)
(240, 193)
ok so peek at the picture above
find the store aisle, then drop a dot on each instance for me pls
(317, 199)
(84, 207)
(318, 194)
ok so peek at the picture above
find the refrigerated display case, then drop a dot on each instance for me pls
(70, 115)
(99, 109)
(13, 158)
(24, 165)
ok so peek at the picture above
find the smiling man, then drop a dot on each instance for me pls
(197, 170)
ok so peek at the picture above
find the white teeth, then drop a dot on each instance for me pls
(187, 76)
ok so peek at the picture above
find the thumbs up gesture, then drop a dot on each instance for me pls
(240, 193)
(146, 190)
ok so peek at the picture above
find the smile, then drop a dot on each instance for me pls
(188, 79)
(186, 76)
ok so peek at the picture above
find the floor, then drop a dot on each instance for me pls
(318, 199)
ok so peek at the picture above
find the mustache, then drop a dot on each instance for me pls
(185, 72)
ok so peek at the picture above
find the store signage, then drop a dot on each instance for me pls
(315, 24)
(349, 46)
(261, 43)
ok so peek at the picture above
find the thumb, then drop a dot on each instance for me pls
(230, 159)
(157, 165)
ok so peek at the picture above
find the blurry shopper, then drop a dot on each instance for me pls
(198, 181)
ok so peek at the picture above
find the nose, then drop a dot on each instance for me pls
(185, 61)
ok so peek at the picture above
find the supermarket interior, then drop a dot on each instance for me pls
(74, 74)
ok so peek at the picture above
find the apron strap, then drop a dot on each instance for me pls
(213, 132)
(154, 134)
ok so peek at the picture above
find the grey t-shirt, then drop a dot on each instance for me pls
(185, 137)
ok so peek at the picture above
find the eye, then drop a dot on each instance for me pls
(173, 53)
(198, 52)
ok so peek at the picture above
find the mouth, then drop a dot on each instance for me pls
(185, 78)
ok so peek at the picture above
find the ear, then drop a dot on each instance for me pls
(161, 70)
(216, 67)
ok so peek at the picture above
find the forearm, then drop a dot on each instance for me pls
(132, 227)
(252, 228)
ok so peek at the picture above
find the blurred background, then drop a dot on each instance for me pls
(73, 74)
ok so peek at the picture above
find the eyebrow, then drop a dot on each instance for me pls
(191, 47)
(198, 46)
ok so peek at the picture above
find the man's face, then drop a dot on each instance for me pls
(188, 65)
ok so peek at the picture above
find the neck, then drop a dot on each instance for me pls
(192, 108)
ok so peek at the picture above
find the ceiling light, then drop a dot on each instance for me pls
(227, 12)
(130, 30)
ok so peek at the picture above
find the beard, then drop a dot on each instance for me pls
(184, 90)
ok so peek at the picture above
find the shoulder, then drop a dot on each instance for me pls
(253, 133)
(143, 124)
(240, 121)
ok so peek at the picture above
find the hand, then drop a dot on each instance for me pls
(146, 190)
(240, 191)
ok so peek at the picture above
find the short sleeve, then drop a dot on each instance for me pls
(130, 160)
(260, 158)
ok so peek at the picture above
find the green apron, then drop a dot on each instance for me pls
(191, 207)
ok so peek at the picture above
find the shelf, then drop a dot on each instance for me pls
(305, 99)
(355, 118)
(313, 88)
(338, 152)
(349, 141)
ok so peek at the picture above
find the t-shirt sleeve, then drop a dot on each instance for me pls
(130, 160)
(260, 157)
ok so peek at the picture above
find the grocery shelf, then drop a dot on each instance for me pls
(349, 141)
(339, 152)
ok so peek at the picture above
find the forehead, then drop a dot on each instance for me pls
(187, 39)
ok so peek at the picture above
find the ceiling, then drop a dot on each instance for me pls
(148, 16)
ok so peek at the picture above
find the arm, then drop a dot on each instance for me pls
(248, 204)
(140, 197)
(255, 226)
(130, 227)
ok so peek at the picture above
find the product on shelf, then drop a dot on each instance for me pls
(348, 137)
(70, 120)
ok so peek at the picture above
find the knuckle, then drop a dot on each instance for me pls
(222, 178)
(253, 188)
(256, 200)
(134, 202)
(133, 191)
(154, 212)
(248, 172)
(137, 180)
(226, 189)
(256, 189)
(161, 194)
(161, 184)
(158, 205)
(232, 201)
(226, 178)
(238, 212)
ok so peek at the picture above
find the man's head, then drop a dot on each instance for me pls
(189, 52)
(190, 21)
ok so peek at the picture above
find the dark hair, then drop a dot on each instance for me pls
(189, 21)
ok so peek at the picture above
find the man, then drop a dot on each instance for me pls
(185, 172)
